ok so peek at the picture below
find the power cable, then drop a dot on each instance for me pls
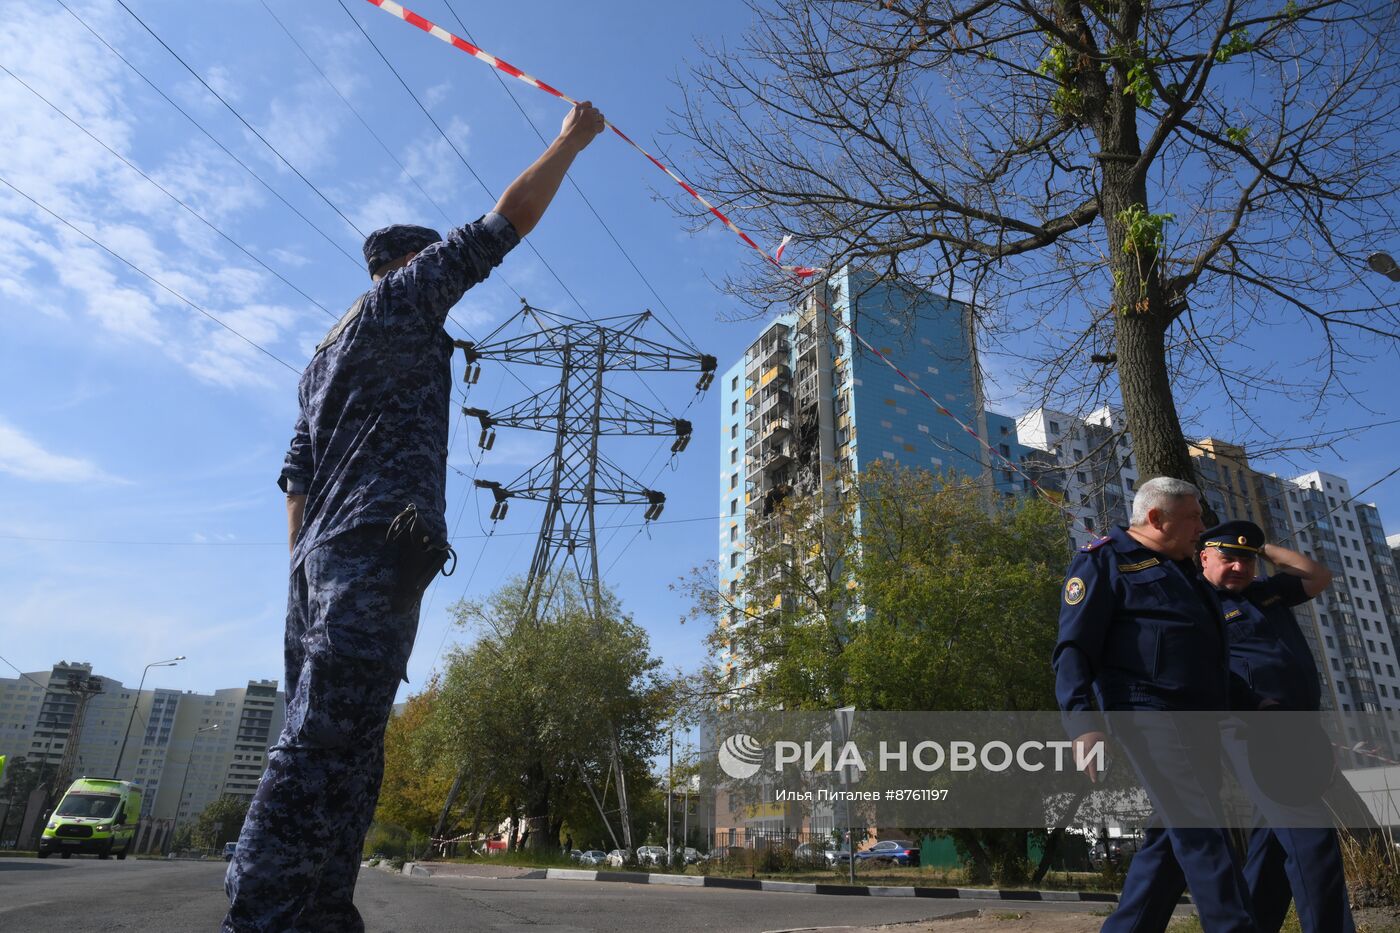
(251, 128)
(1348, 501)
(357, 263)
(196, 214)
(470, 493)
(516, 101)
(353, 109)
(100, 707)
(136, 268)
(469, 537)
(454, 148)
(210, 136)
(389, 152)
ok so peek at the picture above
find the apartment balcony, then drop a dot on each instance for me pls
(774, 453)
(776, 428)
(768, 347)
(777, 374)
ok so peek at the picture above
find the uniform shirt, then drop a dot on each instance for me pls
(371, 436)
(1269, 657)
(1137, 631)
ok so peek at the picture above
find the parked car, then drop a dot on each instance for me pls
(592, 857)
(617, 857)
(691, 856)
(651, 855)
(894, 851)
(1112, 851)
(814, 852)
(230, 849)
(836, 856)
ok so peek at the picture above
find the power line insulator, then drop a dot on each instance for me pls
(708, 365)
(683, 431)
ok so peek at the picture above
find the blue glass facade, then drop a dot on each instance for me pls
(929, 339)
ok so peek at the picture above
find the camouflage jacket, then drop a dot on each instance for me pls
(371, 434)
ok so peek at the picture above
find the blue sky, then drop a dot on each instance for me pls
(139, 442)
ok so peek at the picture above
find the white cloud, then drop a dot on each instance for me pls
(23, 457)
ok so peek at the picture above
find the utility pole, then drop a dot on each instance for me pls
(83, 689)
(576, 477)
(670, 795)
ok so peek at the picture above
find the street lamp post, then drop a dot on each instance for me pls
(116, 769)
(180, 797)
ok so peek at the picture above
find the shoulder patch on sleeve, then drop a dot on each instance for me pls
(1074, 591)
(1095, 545)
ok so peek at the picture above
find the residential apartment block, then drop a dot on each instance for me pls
(186, 749)
(807, 406)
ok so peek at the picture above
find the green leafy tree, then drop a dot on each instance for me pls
(416, 780)
(942, 598)
(21, 777)
(220, 822)
(535, 704)
(911, 591)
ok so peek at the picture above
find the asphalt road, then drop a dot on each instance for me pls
(81, 895)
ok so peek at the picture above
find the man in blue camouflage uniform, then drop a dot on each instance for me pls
(1141, 634)
(1293, 849)
(366, 480)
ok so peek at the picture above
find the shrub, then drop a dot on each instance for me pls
(1372, 868)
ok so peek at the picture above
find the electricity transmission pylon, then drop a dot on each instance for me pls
(575, 477)
(83, 688)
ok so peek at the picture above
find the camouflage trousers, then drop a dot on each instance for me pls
(351, 618)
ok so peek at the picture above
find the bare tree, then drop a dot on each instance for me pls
(1136, 183)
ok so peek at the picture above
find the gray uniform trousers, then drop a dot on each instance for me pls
(351, 618)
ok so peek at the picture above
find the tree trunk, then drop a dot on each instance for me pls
(1159, 446)
(1142, 309)
(981, 868)
(476, 819)
(440, 830)
(537, 794)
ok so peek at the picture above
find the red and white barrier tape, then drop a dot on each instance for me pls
(433, 29)
(799, 272)
(1365, 752)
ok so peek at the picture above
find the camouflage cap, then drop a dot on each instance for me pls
(389, 243)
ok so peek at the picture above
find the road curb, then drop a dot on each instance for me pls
(413, 869)
(807, 887)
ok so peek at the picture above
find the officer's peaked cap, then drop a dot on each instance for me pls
(1241, 537)
(390, 243)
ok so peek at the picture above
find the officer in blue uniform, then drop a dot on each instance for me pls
(366, 479)
(1141, 634)
(1273, 669)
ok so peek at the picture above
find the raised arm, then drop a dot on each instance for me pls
(1315, 576)
(525, 201)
